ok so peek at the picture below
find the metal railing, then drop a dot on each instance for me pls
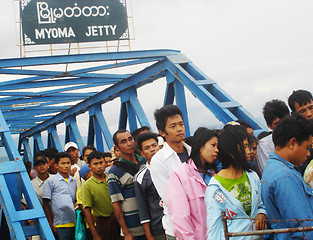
(264, 232)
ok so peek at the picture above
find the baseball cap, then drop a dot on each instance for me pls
(70, 144)
(84, 170)
(39, 159)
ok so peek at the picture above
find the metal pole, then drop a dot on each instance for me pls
(224, 219)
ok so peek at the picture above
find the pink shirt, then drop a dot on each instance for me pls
(185, 197)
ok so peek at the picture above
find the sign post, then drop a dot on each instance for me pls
(73, 21)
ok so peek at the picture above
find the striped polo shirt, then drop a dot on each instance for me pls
(121, 185)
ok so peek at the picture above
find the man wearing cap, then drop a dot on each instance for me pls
(41, 166)
(72, 149)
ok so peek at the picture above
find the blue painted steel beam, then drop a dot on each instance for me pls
(34, 109)
(103, 126)
(39, 99)
(91, 130)
(141, 116)
(20, 84)
(74, 132)
(102, 97)
(132, 121)
(213, 99)
(27, 151)
(169, 93)
(181, 103)
(54, 138)
(123, 116)
(80, 58)
(56, 74)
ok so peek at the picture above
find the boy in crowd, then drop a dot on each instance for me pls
(121, 185)
(148, 199)
(273, 112)
(41, 166)
(301, 101)
(170, 123)
(284, 192)
(50, 154)
(59, 196)
(86, 151)
(138, 131)
(96, 197)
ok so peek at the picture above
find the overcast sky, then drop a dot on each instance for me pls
(255, 50)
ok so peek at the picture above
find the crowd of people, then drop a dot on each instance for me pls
(165, 186)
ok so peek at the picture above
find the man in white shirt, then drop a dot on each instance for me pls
(170, 123)
(41, 166)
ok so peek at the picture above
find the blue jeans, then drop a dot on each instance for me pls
(66, 233)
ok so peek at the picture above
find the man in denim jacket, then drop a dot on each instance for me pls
(283, 190)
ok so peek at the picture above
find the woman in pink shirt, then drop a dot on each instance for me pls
(187, 185)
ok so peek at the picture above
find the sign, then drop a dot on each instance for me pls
(72, 21)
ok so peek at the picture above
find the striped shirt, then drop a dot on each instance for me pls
(121, 185)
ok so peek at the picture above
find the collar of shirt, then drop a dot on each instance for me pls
(288, 164)
(193, 171)
(99, 181)
(39, 181)
(139, 159)
(168, 151)
(60, 177)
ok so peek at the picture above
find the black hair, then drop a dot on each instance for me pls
(231, 149)
(94, 155)
(88, 147)
(243, 123)
(61, 155)
(294, 126)
(39, 153)
(137, 132)
(200, 138)
(301, 97)
(162, 114)
(107, 154)
(115, 135)
(252, 139)
(275, 109)
(50, 153)
(189, 140)
(144, 137)
(263, 135)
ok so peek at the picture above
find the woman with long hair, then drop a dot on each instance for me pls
(235, 189)
(187, 185)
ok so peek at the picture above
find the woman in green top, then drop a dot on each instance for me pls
(235, 189)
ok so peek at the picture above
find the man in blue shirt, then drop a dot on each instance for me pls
(284, 192)
(59, 196)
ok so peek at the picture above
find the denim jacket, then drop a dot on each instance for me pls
(286, 196)
(218, 199)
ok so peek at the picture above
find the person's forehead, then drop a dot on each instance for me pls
(173, 119)
(71, 149)
(122, 136)
(96, 160)
(64, 159)
(304, 104)
(148, 142)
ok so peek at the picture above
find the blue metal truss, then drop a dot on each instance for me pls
(30, 111)
(15, 184)
(35, 102)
